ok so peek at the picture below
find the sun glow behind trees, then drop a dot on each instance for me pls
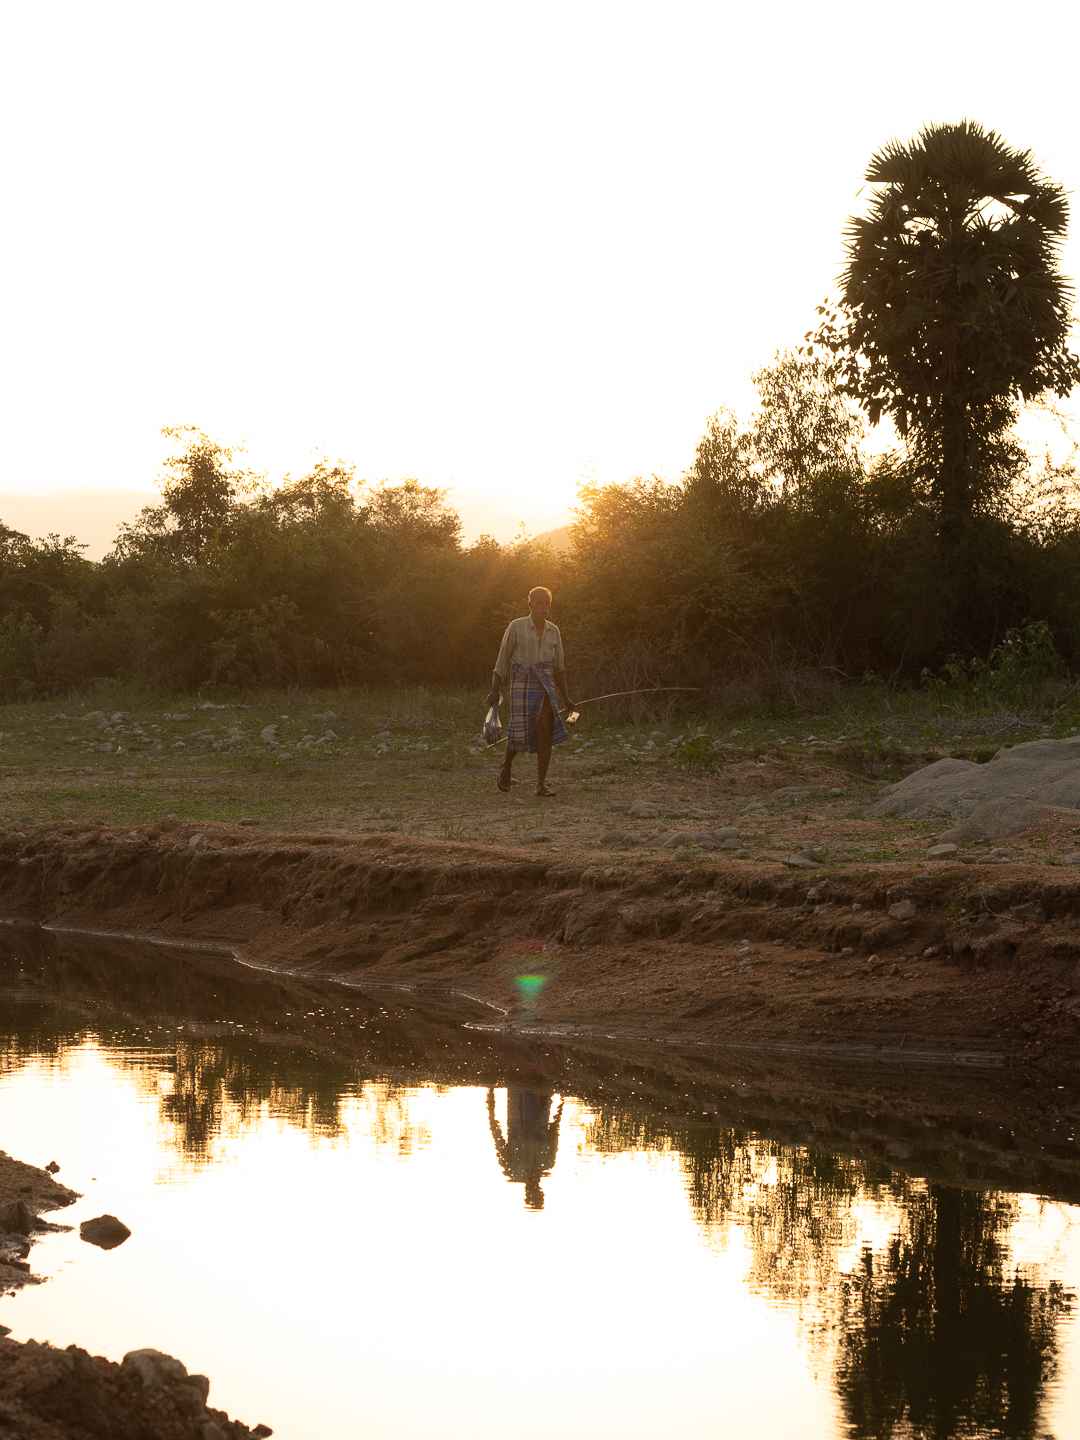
(495, 251)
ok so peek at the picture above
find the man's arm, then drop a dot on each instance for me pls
(559, 668)
(500, 676)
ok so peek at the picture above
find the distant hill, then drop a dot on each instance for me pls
(92, 516)
(559, 540)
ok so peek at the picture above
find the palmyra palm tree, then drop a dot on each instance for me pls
(952, 307)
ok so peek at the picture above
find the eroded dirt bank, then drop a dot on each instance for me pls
(954, 962)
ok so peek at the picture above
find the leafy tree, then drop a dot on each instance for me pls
(200, 497)
(804, 429)
(943, 1336)
(952, 309)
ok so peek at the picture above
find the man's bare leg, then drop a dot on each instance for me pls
(545, 723)
(504, 781)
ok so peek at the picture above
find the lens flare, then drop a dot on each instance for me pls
(529, 986)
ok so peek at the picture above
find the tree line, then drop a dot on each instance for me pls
(785, 543)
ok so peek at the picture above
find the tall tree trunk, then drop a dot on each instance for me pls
(954, 498)
(955, 483)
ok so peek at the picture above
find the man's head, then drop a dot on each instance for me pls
(539, 602)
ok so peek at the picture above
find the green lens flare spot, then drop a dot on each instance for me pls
(530, 986)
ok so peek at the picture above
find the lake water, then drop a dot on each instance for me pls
(359, 1219)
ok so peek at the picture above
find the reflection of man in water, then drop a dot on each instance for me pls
(528, 1152)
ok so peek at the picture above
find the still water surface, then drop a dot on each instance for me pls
(348, 1243)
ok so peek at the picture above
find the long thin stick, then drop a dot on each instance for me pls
(614, 695)
(649, 690)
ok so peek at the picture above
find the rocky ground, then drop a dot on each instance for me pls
(26, 1193)
(51, 1394)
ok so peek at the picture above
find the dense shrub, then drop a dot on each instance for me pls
(781, 551)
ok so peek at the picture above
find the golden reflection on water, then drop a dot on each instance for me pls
(346, 1255)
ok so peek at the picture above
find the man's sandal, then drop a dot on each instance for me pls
(544, 791)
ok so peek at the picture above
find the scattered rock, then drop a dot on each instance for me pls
(725, 839)
(903, 910)
(938, 852)
(268, 735)
(643, 809)
(154, 1368)
(800, 862)
(105, 1231)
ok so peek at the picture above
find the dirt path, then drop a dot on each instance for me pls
(901, 962)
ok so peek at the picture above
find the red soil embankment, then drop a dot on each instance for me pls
(897, 961)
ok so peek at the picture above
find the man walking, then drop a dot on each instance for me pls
(531, 673)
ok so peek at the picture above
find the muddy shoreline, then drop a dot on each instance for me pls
(51, 1394)
(948, 963)
(1000, 1127)
(996, 1123)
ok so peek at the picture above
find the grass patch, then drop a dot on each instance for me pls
(410, 758)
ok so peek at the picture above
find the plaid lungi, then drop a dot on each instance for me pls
(528, 686)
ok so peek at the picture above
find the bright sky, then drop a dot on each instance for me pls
(501, 248)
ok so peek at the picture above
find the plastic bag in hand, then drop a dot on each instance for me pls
(492, 728)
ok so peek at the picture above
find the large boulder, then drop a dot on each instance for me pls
(1015, 790)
